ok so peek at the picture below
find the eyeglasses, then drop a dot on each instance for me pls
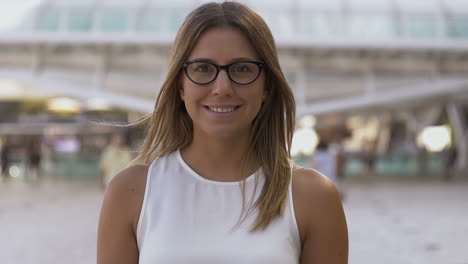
(242, 72)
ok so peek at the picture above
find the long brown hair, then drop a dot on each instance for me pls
(170, 127)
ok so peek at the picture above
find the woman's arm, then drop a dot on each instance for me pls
(321, 219)
(119, 217)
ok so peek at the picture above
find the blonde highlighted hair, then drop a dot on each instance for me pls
(170, 127)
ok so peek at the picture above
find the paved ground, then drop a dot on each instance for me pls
(417, 223)
(394, 223)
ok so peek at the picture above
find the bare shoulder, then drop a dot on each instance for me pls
(313, 194)
(127, 190)
(129, 180)
(320, 218)
(310, 185)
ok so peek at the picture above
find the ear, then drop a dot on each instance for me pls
(181, 90)
(265, 95)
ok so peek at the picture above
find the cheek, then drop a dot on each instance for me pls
(255, 101)
(260, 89)
(192, 97)
(188, 91)
(184, 83)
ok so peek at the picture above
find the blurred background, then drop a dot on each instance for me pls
(381, 89)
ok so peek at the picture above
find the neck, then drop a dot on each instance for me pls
(219, 158)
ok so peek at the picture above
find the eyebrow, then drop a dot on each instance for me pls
(230, 61)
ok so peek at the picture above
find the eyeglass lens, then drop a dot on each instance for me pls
(241, 72)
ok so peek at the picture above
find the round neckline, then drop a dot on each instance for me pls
(201, 178)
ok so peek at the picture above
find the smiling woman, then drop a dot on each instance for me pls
(214, 181)
(223, 100)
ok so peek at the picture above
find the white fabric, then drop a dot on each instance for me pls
(186, 218)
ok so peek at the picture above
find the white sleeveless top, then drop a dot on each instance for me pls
(186, 218)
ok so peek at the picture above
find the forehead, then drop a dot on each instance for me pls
(223, 45)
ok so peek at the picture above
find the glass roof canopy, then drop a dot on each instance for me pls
(304, 19)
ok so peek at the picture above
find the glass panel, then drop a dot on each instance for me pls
(270, 4)
(457, 26)
(321, 24)
(121, 3)
(81, 3)
(176, 18)
(176, 3)
(151, 20)
(360, 5)
(421, 26)
(371, 26)
(457, 6)
(47, 19)
(164, 20)
(281, 23)
(114, 20)
(16, 15)
(279, 20)
(19, 23)
(320, 4)
(431, 6)
(80, 20)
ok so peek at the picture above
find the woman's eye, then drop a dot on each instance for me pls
(203, 68)
(241, 68)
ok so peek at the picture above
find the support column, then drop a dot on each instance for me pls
(369, 78)
(461, 136)
(102, 67)
(38, 62)
(302, 82)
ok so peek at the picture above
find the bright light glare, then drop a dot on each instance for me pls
(14, 171)
(435, 138)
(10, 89)
(13, 90)
(355, 122)
(97, 104)
(63, 104)
(307, 121)
(304, 142)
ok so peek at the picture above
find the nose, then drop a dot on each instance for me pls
(222, 84)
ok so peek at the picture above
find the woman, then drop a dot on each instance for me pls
(5, 159)
(216, 184)
(33, 157)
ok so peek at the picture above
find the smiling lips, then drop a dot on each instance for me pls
(222, 109)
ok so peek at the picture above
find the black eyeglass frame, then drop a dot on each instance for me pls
(222, 67)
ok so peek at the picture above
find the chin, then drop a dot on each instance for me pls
(225, 132)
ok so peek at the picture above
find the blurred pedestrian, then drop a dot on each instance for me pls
(215, 181)
(325, 161)
(341, 161)
(114, 158)
(33, 157)
(450, 159)
(5, 158)
(369, 157)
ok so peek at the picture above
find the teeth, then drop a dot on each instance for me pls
(221, 110)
